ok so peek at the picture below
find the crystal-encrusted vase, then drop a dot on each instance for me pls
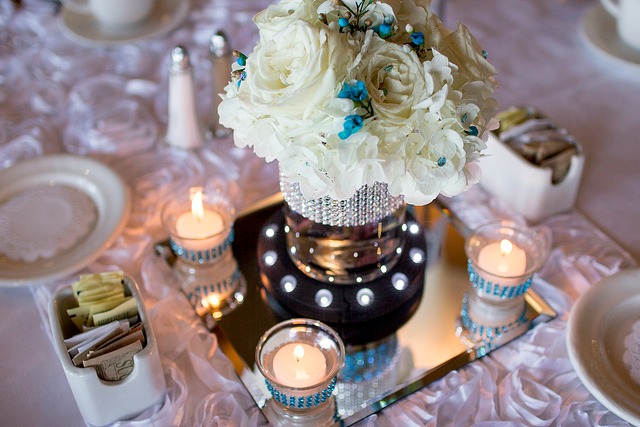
(357, 264)
(344, 241)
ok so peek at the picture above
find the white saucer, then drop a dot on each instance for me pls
(598, 324)
(598, 28)
(101, 184)
(84, 29)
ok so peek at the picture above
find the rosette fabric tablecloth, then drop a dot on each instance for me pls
(110, 103)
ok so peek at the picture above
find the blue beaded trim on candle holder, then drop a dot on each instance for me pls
(220, 287)
(301, 402)
(204, 256)
(373, 361)
(495, 289)
(488, 333)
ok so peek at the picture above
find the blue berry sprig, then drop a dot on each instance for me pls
(416, 42)
(239, 74)
(357, 92)
(352, 21)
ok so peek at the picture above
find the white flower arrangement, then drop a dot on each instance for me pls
(344, 94)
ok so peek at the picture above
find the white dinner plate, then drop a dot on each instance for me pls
(104, 187)
(599, 322)
(84, 29)
(598, 29)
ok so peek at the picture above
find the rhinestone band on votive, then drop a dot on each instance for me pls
(205, 256)
(219, 288)
(300, 402)
(495, 289)
(485, 332)
(371, 203)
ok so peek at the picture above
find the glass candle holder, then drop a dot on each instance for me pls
(200, 228)
(502, 259)
(300, 360)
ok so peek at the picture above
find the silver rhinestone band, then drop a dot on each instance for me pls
(371, 203)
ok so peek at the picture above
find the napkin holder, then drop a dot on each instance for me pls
(104, 402)
(526, 187)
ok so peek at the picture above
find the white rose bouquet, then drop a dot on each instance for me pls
(345, 93)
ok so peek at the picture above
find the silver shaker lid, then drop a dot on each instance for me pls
(219, 44)
(179, 59)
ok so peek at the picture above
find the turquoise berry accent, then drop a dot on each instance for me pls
(473, 131)
(384, 30)
(356, 92)
(484, 54)
(242, 60)
(417, 38)
(343, 22)
(352, 124)
(442, 161)
(464, 118)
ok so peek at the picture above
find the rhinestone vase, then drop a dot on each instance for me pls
(344, 241)
(356, 264)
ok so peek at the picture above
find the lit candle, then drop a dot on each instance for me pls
(503, 259)
(299, 365)
(200, 222)
(200, 228)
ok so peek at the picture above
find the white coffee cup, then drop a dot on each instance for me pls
(627, 16)
(115, 13)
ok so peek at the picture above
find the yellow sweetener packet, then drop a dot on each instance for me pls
(125, 310)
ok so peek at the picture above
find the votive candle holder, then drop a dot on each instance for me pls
(502, 259)
(300, 360)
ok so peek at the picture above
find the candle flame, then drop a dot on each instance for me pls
(298, 353)
(197, 209)
(505, 247)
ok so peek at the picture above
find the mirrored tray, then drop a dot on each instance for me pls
(429, 346)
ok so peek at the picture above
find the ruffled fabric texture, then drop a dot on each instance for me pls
(62, 91)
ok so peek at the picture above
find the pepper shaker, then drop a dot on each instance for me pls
(221, 60)
(184, 129)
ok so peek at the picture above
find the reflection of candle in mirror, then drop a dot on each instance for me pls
(212, 301)
(503, 259)
(200, 222)
(299, 365)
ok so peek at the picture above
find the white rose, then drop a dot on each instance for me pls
(394, 79)
(463, 50)
(297, 72)
(276, 17)
(421, 19)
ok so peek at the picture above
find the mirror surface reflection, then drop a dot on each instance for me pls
(423, 350)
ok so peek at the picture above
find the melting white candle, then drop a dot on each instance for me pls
(199, 223)
(299, 365)
(503, 259)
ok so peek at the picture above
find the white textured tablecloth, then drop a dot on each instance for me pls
(57, 96)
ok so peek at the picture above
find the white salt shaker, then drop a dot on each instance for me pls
(184, 129)
(221, 59)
